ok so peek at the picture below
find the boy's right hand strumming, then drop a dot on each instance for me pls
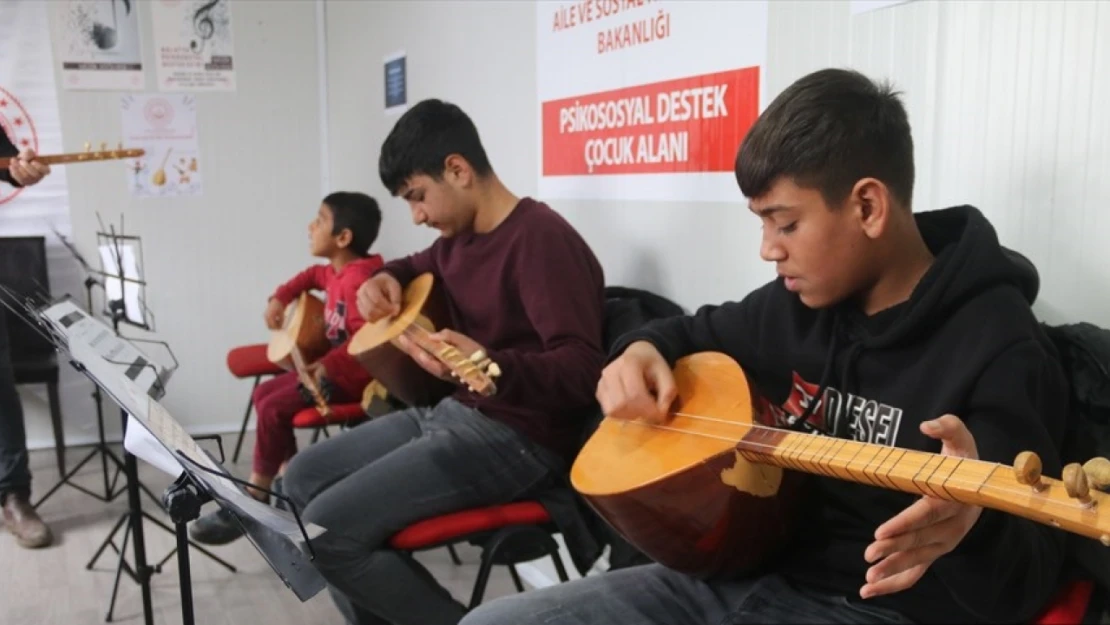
(274, 315)
(637, 385)
(379, 297)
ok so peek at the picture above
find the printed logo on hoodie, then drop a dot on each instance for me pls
(335, 321)
(868, 421)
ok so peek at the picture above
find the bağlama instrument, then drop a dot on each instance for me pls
(711, 491)
(81, 157)
(301, 341)
(423, 309)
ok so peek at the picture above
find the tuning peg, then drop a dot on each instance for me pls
(1075, 482)
(478, 356)
(1098, 472)
(88, 147)
(119, 146)
(493, 370)
(1027, 469)
(103, 146)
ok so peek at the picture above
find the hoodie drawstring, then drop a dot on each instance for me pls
(826, 373)
(846, 381)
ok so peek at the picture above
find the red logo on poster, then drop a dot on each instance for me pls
(686, 125)
(17, 124)
(158, 113)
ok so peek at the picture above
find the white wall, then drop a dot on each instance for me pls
(1004, 99)
(212, 260)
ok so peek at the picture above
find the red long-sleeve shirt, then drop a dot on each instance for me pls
(531, 292)
(340, 314)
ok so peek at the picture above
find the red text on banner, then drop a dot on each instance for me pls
(692, 124)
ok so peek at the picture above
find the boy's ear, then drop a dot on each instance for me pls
(344, 238)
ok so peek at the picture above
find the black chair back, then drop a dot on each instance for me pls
(23, 271)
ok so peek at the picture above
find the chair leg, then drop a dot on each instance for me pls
(559, 568)
(483, 577)
(516, 578)
(454, 555)
(59, 430)
(246, 419)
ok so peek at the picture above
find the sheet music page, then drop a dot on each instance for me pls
(117, 289)
(152, 433)
(140, 442)
(169, 434)
(109, 359)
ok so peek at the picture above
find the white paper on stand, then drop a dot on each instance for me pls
(142, 444)
(118, 289)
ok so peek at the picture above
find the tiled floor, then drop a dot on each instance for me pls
(52, 586)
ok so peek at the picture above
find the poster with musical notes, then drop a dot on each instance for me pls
(193, 45)
(164, 125)
(98, 44)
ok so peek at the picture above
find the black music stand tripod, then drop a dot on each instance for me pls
(183, 500)
(131, 522)
(101, 446)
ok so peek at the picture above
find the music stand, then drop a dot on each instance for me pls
(121, 261)
(121, 258)
(136, 384)
(101, 446)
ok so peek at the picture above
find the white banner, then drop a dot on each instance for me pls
(646, 100)
(193, 44)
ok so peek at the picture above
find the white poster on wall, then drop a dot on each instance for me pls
(165, 126)
(98, 44)
(193, 45)
(642, 100)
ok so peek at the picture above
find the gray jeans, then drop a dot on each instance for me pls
(655, 595)
(366, 484)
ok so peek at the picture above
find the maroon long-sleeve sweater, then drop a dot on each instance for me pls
(531, 292)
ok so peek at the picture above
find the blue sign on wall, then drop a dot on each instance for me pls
(395, 83)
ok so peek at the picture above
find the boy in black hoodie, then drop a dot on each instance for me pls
(914, 330)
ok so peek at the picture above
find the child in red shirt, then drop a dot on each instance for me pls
(345, 227)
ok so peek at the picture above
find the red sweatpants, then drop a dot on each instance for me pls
(277, 401)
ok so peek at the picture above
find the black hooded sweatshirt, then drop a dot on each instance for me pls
(967, 343)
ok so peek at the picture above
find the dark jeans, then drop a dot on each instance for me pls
(366, 484)
(15, 476)
(655, 595)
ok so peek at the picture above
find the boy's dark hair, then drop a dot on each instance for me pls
(827, 131)
(358, 213)
(423, 138)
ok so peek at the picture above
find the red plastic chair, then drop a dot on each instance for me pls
(249, 361)
(342, 415)
(1070, 605)
(507, 535)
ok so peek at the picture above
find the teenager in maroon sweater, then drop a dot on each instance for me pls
(523, 286)
(345, 227)
(528, 292)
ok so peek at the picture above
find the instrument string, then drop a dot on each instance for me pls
(809, 454)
